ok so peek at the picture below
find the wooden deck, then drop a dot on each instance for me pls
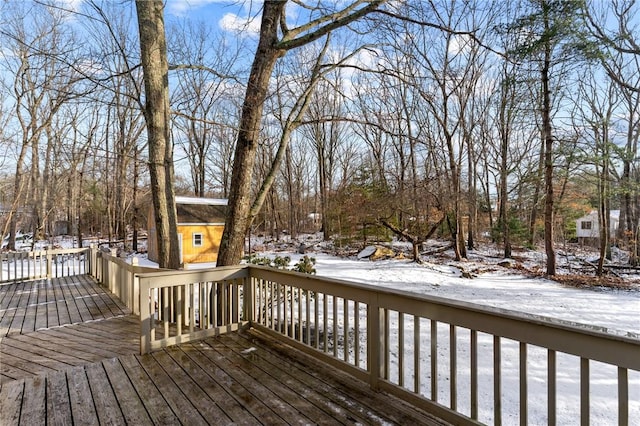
(39, 304)
(89, 372)
(52, 325)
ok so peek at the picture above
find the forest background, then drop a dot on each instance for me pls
(467, 120)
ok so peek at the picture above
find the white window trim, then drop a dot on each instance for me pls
(193, 239)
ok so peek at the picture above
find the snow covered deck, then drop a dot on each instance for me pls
(69, 355)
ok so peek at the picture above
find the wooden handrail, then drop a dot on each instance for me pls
(45, 263)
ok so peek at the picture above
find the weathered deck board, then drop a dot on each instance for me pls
(34, 402)
(303, 405)
(195, 374)
(65, 360)
(333, 392)
(248, 385)
(41, 307)
(155, 404)
(107, 407)
(82, 404)
(176, 400)
(58, 406)
(192, 390)
(324, 395)
(60, 348)
(216, 377)
(11, 402)
(9, 305)
(131, 407)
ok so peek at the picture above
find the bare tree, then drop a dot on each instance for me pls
(546, 31)
(275, 39)
(445, 73)
(597, 106)
(42, 85)
(204, 65)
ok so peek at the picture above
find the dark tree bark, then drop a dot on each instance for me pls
(153, 51)
(548, 151)
(415, 240)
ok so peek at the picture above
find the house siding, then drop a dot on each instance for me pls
(211, 237)
(591, 234)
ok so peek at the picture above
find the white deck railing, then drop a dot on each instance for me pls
(362, 328)
(38, 264)
(179, 306)
(119, 276)
(463, 362)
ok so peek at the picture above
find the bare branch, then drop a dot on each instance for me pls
(178, 67)
(305, 34)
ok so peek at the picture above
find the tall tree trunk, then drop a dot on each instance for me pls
(456, 228)
(548, 154)
(136, 210)
(536, 197)
(153, 51)
(232, 244)
(472, 195)
(503, 208)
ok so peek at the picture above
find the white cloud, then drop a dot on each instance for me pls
(460, 43)
(73, 5)
(238, 24)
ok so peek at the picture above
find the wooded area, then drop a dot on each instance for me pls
(467, 120)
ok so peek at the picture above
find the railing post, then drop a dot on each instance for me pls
(145, 317)
(104, 263)
(248, 304)
(132, 285)
(113, 277)
(49, 261)
(91, 259)
(375, 343)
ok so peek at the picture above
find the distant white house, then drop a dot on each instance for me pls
(588, 227)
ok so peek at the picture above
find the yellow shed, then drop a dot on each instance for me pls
(200, 225)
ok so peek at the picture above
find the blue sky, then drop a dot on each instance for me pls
(229, 15)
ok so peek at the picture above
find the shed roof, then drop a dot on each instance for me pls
(202, 201)
(193, 210)
(593, 214)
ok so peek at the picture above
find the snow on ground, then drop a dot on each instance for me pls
(609, 308)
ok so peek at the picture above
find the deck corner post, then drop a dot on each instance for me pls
(375, 343)
(135, 293)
